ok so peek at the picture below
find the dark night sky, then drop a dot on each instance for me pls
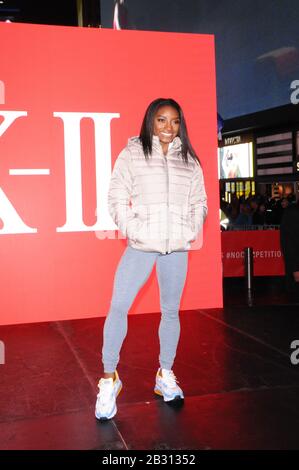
(244, 31)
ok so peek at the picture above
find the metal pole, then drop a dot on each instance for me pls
(89, 13)
(248, 260)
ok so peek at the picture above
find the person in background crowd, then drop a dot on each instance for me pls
(291, 198)
(259, 217)
(278, 209)
(233, 209)
(244, 217)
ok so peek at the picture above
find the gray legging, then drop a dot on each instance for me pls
(132, 273)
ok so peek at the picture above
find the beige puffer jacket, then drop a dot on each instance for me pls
(168, 198)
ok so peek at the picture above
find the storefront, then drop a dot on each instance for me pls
(258, 168)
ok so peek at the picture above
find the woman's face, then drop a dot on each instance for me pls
(166, 125)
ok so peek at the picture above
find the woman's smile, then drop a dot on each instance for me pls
(166, 125)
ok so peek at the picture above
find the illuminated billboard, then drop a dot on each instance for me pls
(235, 161)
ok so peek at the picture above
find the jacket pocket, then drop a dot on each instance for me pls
(188, 234)
(133, 228)
(180, 223)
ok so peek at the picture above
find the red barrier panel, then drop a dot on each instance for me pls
(73, 96)
(268, 260)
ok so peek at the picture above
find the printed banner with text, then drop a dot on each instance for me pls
(70, 99)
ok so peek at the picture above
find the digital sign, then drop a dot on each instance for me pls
(235, 161)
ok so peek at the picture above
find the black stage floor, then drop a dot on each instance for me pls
(233, 364)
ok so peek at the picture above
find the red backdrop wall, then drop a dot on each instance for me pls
(48, 274)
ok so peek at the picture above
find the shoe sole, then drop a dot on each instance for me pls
(176, 398)
(113, 413)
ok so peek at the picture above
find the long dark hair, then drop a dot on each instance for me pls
(147, 129)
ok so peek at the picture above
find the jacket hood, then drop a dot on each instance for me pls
(134, 143)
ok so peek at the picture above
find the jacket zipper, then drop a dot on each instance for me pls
(167, 239)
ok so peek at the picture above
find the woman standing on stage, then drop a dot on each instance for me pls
(160, 174)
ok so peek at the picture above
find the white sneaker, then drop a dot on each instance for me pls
(167, 387)
(109, 389)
